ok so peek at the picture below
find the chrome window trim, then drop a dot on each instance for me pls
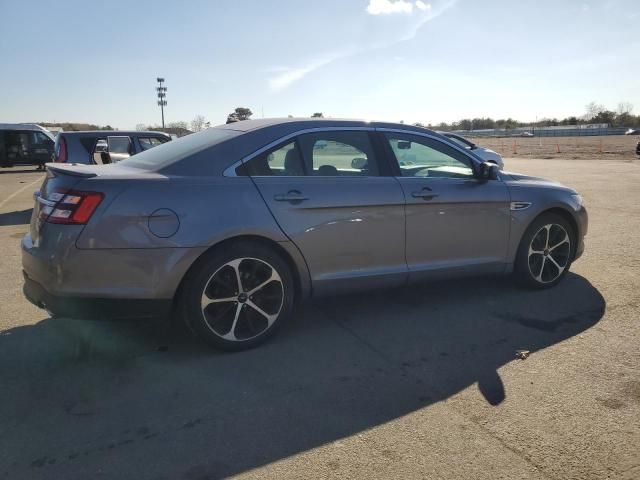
(231, 170)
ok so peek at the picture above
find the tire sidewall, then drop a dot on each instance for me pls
(523, 274)
(206, 266)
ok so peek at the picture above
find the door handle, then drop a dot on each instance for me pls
(290, 196)
(426, 193)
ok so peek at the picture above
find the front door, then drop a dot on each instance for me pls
(329, 194)
(456, 223)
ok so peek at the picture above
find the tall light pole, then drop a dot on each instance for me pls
(162, 94)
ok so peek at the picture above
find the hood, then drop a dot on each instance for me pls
(519, 180)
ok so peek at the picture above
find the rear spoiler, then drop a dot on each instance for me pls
(74, 169)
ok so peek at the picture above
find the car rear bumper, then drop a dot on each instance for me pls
(93, 308)
(57, 272)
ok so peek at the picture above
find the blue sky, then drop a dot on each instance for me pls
(412, 60)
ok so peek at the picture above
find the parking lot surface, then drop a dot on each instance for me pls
(421, 382)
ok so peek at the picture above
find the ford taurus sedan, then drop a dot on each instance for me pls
(232, 225)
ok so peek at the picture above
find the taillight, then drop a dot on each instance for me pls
(70, 207)
(61, 154)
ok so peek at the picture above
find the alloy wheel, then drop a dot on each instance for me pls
(549, 253)
(242, 299)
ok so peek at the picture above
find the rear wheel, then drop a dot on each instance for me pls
(238, 296)
(545, 252)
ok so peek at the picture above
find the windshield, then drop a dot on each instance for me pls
(49, 135)
(462, 142)
(175, 150)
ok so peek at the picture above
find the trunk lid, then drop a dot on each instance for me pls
(107, 180)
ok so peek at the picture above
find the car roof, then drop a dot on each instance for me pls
(29, 127)
(296, 123)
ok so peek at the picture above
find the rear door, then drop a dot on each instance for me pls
(333, 198)
(455, 221)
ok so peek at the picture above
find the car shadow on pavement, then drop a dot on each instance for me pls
(22, 217)
(79, 396)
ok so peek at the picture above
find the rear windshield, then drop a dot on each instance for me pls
(175, 150)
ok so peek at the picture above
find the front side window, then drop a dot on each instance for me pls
(424, 157)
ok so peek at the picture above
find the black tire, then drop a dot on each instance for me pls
(213, 273)
(537, 271)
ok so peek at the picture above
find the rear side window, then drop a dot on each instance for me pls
(323, 154)
(330, 154)
(283, 161)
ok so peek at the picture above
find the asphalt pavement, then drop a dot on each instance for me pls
(413, 383)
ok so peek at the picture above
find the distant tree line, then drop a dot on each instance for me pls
(75, 127)
(595, 113)
(622, 116)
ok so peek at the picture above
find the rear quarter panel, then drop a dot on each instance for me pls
(208, 210)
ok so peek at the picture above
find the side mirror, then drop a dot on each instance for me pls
(489, 171)
(359, 163)
(402, 145)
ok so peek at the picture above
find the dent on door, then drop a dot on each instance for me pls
(350, 230)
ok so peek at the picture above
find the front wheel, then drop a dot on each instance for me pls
(545, 252)
(238, 296)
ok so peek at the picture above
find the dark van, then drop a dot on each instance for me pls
(24, 144)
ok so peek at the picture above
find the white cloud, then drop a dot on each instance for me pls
(285, 76)
(385, 7)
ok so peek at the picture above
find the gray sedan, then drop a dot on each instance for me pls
(231, 226)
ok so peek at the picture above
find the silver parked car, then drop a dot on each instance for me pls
(232, 225)
(485, 154)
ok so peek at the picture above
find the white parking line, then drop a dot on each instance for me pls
(15, 194)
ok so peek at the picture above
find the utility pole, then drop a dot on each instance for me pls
(162, 94)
